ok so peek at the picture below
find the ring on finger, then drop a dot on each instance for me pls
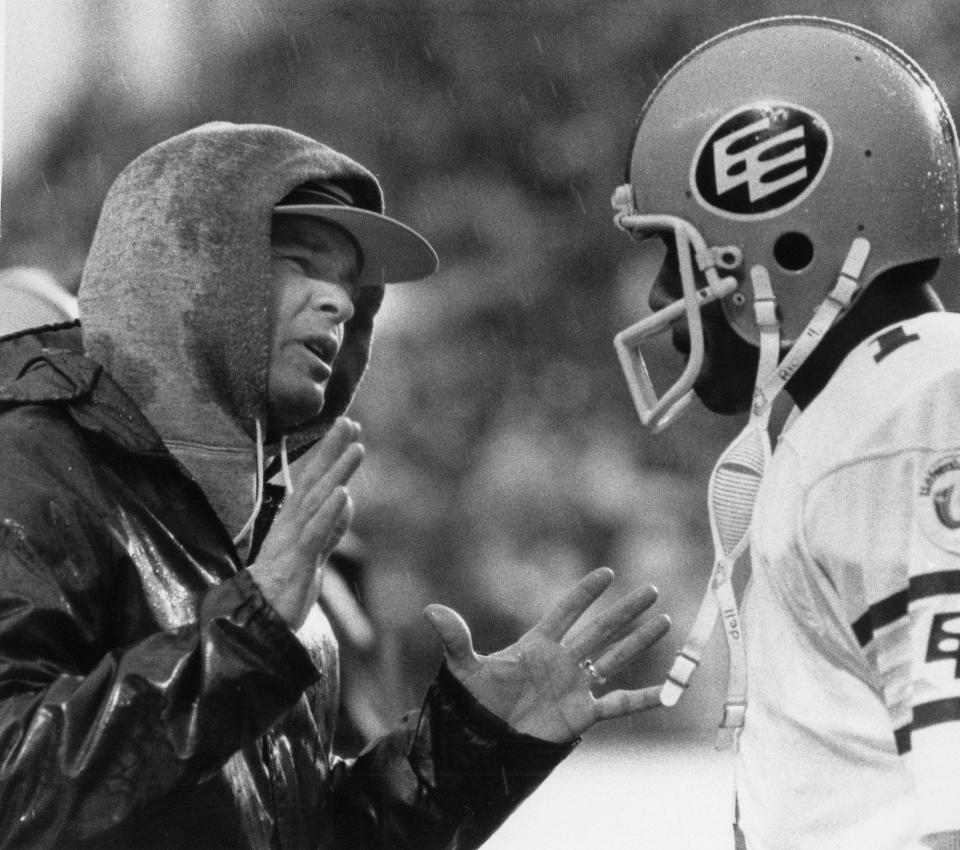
(591, 668)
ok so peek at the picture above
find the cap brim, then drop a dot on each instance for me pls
(392, 252)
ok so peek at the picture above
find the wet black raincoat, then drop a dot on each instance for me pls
(149, 696)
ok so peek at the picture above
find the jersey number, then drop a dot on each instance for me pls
(889, 341)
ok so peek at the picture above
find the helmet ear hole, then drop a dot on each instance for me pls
(793, 251)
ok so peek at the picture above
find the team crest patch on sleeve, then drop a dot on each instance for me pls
(938, 502)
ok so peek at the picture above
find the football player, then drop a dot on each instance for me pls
(803, 175)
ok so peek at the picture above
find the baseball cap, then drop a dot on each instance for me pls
(391, 251)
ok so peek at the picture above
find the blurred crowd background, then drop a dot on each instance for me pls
(504, 456)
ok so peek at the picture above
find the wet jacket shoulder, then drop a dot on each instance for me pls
(21, 346)
(150, 697)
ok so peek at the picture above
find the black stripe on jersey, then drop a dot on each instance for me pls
(881, 614)
(901, 737)
(934, 584)
(863, 628)
(891, 609)
(924, 715)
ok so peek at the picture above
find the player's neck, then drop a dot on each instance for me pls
(890, 299)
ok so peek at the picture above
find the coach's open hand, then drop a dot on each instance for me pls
(314, 517)
(540, 685)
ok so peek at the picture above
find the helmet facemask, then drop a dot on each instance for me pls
(657, 411)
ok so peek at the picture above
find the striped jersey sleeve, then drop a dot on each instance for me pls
(899, 578)
(887, 523)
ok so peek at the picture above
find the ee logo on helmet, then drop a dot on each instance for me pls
(759, 161)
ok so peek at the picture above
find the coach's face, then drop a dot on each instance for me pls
(314, 267)
(726, 379)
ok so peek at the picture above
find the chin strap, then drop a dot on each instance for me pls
(837, 300)
(731, 494)
(735, 482)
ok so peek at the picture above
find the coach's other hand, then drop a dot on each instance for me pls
(541, 685)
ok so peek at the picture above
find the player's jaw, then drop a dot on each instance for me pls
(726, 378)
(728, 374)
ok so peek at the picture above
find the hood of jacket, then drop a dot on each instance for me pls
(174, 298)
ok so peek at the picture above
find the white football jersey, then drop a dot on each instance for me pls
(852, 621)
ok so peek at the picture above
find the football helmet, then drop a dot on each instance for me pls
(781, 144)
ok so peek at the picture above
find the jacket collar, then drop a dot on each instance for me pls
(92, 398)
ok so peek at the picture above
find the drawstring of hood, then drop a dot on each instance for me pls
(260, 484)
(247, 528)
(285, 465)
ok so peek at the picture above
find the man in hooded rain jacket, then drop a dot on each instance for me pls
(166, 678)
